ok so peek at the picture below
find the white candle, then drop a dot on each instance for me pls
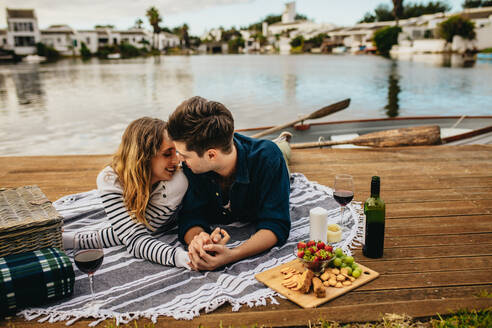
(318, 224)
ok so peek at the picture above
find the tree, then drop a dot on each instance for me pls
(104, 26)
(138, 23)
(472, 3)
(385, 38)
(184, 35)
(397, 10)
(456, 25)
(418, 9)
(368, 18)
(383, 13)
(154, 20)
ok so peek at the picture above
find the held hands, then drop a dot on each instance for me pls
(208, 252)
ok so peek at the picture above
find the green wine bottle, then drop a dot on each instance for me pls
(374, 209)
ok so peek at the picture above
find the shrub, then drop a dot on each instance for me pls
(104, 51)
(456, 25)
(84, 51)
(317, 40)
(46, 51)
(234, 45)
(128, 51)
(385, 38)
(298, 41)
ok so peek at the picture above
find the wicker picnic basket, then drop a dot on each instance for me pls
(28, 221)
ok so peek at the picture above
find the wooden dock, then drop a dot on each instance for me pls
(438, 246)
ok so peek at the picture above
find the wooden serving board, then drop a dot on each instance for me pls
(273, 278)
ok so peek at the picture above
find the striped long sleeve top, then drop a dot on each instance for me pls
(161, 213)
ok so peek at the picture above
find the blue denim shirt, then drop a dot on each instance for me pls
(259, 193)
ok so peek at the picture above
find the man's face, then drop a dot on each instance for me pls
(196, 163)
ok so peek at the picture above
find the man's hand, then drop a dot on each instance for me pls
(220, 236)
(222, 255)
(196, 249)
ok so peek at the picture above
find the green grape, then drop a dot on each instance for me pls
(349, 260)
(349, 270)
(339, 252)
(344, 265)
(356, 273)
(337, 262)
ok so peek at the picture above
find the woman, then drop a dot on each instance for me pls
(141, 191)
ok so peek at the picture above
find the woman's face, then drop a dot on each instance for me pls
(165, 163)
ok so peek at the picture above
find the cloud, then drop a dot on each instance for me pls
(122, 13)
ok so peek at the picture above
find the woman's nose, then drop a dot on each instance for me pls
(176, 158)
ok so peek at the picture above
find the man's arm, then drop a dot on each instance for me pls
(261, 241)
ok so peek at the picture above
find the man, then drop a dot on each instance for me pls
(231, 178)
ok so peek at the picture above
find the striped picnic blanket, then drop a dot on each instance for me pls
(130, 288)
(34, 278)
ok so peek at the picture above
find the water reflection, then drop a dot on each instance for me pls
(3, 93)
(441, 60)
(393, 90)
(28, 86)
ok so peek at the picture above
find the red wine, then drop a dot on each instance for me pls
(374, 243)
(89, 260)
(343, 197)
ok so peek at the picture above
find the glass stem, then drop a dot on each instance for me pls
(91, 283)
(342, 209)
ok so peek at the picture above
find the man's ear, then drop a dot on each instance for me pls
(211, 154)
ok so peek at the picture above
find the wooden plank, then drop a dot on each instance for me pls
(422, 265)
(429, 279)
(470, 240)
(430, 252)
(439, 229)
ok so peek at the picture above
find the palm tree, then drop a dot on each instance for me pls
(397, 9)
(154, 20)
(184, 35)
(138, 23)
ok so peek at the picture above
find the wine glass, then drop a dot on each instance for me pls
(344, 192)
(88, 256)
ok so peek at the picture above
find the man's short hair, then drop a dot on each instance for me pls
(202, 124)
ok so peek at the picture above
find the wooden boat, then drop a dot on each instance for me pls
(454, 129)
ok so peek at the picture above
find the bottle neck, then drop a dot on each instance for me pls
(375, 187)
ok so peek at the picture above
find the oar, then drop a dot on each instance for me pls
(317, 114)
(413, 136)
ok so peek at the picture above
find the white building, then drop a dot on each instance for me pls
(3, 38)
(22, 31)
(167, 40)
(289, 14)
(89, 38)
(60, 37)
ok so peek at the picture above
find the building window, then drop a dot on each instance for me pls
(30, 27)
(103, 40)
(88, 40)
(115, 41)
(24, 41)
(58, 40)
(74, 43)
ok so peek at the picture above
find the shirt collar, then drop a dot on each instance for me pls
(242, 172)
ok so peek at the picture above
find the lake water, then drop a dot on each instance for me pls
(75, 107)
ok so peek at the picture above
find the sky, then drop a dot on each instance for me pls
(200, 15)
